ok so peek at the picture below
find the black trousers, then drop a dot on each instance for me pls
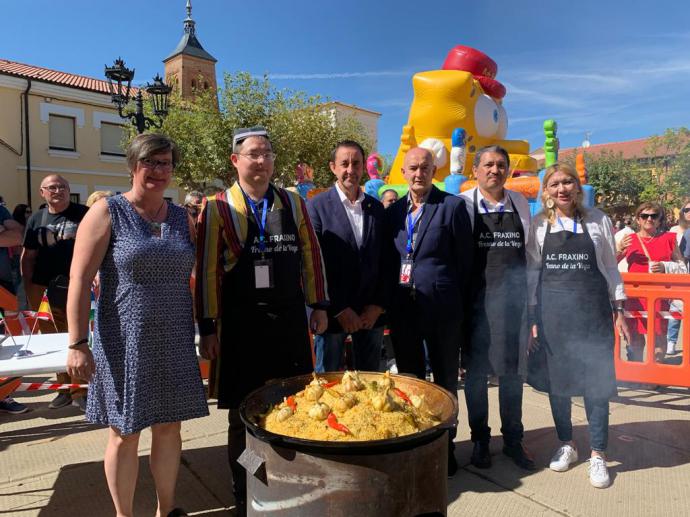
(409, 330)
(510, 407)
(237, 440)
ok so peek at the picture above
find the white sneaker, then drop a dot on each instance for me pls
(565, 456)
(598, 473)
(670, 348)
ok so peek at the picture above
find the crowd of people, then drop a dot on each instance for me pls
(471, 281)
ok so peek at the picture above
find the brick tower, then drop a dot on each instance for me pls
(189, 67)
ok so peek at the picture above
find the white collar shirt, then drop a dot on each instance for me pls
(354, 212)
(512, 202)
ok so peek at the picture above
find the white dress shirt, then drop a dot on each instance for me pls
(511, 202)
(354, 212)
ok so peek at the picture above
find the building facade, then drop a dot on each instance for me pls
(57, 123)
(54, 122)
(368, 118)
(60, 123)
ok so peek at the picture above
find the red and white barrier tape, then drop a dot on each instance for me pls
(667, 315)
(36, 386)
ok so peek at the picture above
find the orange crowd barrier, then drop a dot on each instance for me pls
(8, 385)
(653, 370)
(8, 301)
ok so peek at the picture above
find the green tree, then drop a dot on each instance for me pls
(198, 128)
(668, 159)
(662, 174)
(618, 183)
(302, 129)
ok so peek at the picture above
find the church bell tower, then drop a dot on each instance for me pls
(189, 67)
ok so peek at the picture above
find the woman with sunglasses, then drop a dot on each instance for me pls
(650, 250)
(574, 290)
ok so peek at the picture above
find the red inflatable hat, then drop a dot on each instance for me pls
(481, 66)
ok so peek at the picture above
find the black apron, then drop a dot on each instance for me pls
(264, 332)
(576, 318)
(498, 338)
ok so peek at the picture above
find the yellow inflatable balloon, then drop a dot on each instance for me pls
(448, 99)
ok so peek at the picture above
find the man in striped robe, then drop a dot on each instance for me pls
(258, 264)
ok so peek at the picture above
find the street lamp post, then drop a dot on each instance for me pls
(120, 81)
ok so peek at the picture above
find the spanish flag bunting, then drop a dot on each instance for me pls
(44, 312)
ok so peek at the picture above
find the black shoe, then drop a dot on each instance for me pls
(481, 456)
(520, 456)
(177, 512)
(452, 464)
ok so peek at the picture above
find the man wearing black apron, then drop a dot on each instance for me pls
(259, 263)
(497, 332)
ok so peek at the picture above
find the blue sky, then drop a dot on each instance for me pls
(617, 69)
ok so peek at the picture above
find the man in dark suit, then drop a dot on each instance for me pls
(428, 262)
(349, 225)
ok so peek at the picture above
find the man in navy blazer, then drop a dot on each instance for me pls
(429, 260)
(349, 225)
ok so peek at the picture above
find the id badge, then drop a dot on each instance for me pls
(405, 272)
(263, 273)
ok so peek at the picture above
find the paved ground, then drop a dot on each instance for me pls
(51, 464)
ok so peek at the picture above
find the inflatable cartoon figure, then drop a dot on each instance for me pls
(374, 170)
(305, 179)
(464, 95)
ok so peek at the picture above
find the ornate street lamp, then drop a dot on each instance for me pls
(119, 83)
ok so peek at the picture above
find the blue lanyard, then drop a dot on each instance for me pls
(574, 224)
(501, 208)
(261, 222)
(410, 227)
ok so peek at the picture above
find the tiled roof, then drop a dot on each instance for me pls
(190, 45)
(630, 149)
(47, 75)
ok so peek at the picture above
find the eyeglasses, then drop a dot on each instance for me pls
(653, 217)
(685, 210)
(55, 188)
(152, 164)
(254, 157)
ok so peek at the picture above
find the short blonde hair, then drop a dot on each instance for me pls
(570, 171)
(96, 195)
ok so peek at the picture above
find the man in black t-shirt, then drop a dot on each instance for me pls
(46, 260)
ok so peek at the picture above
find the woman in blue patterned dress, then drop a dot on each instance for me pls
(143, 369)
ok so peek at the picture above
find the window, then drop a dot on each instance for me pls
(62, 132)
(193, 83)
(111, 139)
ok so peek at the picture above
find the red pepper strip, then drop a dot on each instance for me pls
(400, 393)
(291, 403)
(333, 422)
(331, 384)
